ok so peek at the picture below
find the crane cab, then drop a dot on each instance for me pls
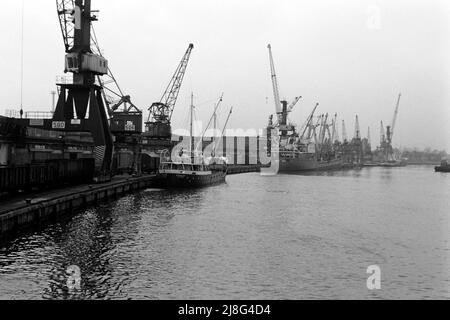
(86, 62)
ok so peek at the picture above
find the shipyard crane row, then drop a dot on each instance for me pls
(307, 126)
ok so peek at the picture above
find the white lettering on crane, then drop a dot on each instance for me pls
(77, 18)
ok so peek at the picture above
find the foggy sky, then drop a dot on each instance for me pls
(353, 57)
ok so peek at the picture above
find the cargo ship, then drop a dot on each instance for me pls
(311, 149)
(296, 155)
(298, 162)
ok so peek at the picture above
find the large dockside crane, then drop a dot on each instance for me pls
(390, 132)
(386, 150)
(83, 94)
(282, 108)
(159, 121)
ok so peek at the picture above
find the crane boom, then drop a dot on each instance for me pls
(66, 12)
(394, 120)
(276, 92)
(162, 111)
(309, 121)
(223, 130)
(112, 93)
(293, 104)
(216, 107)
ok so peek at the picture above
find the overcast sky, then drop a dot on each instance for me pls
(352, 56)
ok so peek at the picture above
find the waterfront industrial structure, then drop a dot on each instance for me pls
(95, 131)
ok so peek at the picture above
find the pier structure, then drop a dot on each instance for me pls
(27, 210)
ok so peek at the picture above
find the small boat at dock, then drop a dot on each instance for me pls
(193, 169)
(187, 175)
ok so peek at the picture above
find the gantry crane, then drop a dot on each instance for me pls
(127, 119)
(159, 121)
(83, 94)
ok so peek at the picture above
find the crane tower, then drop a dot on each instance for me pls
(159, 121)
(83, 94)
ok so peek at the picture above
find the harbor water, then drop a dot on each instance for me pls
(282, 237)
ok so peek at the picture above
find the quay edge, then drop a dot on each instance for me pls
(16, 217)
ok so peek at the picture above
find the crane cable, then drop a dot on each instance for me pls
(22, 64)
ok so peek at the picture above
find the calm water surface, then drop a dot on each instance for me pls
(282, 237)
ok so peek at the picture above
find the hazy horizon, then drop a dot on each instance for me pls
(353, 57)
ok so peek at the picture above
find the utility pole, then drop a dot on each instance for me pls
(214, 134)
(191, 129)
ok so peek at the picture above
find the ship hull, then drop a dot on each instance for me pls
(305, 165)
(442, 168)
(392, 164)
(192, 181)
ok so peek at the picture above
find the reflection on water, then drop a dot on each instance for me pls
(282, 237)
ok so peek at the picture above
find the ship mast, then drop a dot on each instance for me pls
(191, 129)
(224, 128)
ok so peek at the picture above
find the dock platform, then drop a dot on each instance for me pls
(23, 211)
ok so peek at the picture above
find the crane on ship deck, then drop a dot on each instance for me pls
(390, 132)
(386, 149)
(306, 128)
(282, 108)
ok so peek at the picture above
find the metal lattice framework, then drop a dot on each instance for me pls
(276, 91)
(66, 10)
(162, 111)
(112, 93)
